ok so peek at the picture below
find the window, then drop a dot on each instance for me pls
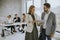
(37, 5)
(29, 3)
(55, 6)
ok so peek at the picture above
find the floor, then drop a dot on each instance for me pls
(21, 36)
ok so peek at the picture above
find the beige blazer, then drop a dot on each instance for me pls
(30, 25)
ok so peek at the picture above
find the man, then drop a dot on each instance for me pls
(49, 23)
(16, 20)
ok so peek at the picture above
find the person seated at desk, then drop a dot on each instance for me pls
(9, 21)
(23, 20)
(16, 20)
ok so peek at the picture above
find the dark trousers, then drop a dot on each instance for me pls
(24, 25)
(12, 28)
(43, 35)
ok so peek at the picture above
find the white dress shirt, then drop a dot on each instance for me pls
(45, 19)
(9, 20)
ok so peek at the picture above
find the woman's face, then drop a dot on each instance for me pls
(33, 10)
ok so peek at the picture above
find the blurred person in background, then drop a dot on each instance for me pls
(17, 20)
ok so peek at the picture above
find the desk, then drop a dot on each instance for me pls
(14, 24)
(8, 24)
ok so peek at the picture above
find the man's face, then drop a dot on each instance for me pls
(45, 9)
(16, 16)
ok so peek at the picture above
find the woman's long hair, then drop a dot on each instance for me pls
(30, 9)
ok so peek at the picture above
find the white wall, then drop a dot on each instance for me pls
(12, 7)
(23, 6)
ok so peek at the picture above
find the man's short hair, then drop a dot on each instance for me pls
(47, 5)
(9, 15)
(15, 14)
(23, 14)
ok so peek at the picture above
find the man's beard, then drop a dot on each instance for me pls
(45, 11)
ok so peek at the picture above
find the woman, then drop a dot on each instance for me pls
(31, 31)
(23, 20)
(17, 19)
(9, 21)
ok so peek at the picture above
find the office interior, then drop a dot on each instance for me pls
(12, 7)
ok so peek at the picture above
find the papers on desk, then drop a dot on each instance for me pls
(19, 23)
(9, 24)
